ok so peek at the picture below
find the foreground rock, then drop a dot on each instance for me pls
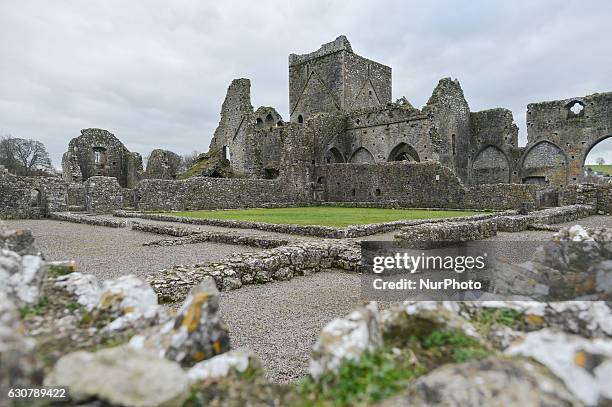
(584, 365)
(197, 332)
(121, 376)
(22, 277)
(18, 364)
(346, 339)
(488, 382)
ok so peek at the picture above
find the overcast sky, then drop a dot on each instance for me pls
(155, 72)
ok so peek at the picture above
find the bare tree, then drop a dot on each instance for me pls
(24, 157)
(600, 161)
(189, 159)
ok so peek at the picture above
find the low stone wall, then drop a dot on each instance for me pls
(226, 238)
(77, 195)
(190, 236)
(31, 197)
(104, 195)
(209, 193)
(277, 264)
(88, 220)
(517, 223)
(432, 235)
(318, 231)
(597, 195)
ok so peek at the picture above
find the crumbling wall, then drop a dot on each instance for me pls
(574, 125)
(97, 152)
(598, 196)
(163, 164)
(393, 133)
(31, 197)
(493, 147)
(104, 195)
(209, 193)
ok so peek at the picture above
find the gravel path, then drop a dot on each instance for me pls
(113, 252)
(281, 321)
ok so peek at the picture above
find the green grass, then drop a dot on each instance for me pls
(606, 168)
(323, 215)
(376, 376)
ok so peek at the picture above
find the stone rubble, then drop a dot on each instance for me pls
(346, 339)
(238, 360)
(196, 333)
(584, 365)
(121, 376)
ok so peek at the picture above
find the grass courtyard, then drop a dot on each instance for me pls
(605, 168)
(323, 215)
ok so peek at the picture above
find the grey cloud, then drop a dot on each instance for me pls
(155, 72)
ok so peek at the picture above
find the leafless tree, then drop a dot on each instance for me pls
(24, 157)
(189, 159)
(600, 161)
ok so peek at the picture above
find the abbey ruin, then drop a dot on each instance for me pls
(345, 141)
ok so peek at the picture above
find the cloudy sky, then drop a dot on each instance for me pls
(155, 72)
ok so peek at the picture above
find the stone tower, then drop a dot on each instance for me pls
(333, 79)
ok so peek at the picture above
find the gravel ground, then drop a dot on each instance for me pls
(113, 252)
(281, 321)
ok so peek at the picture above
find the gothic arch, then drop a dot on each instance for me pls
(490, 166)
(404, 152)
(592, 145)
(334, 156)
(362, 156)
(544, 163)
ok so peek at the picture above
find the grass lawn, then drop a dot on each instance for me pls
(323, 215)
(606, 168)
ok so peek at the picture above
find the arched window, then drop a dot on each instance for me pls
(404, 152)
(259, 122)
(99, 156)
(362, 156)
(334, 156)
(490, 166)
(300, 119)
(35, 198)
(269, 119)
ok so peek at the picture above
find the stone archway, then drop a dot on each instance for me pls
(333, 156)
(490, 166)
(545, 161)
(403, 152)
(362, 156)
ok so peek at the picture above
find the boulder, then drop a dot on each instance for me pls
(417, 317)
(486, 382)
(121, 376)
(220, 366)
(18, 365)
(197, 332)
(22, 277)
(346, 339)
(584, 365)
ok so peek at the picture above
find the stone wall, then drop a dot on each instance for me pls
(334, 79)
(429, 235)
(31, 197)
(493, 147)
(450, 114)
(597, 195)
(104, 195)
(208, 193)
(97, 152)
(417, 185)
(163, 164)
(571, 125)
